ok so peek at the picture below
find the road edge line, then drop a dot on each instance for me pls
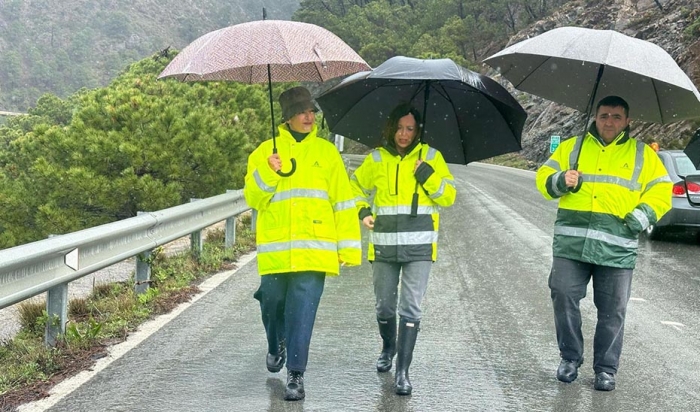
(64, 388)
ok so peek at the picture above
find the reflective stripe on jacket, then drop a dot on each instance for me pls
(397, 236)
(307, 221)
(625, 189)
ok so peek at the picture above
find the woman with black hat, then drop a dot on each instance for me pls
(306, 229)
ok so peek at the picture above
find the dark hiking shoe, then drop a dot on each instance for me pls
(295, 386)
(568, 370)
(276, 362)
(604, 381)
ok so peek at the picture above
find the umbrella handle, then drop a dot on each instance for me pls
(414, 201)
(414, 205)
(294, 166)
(291, 172)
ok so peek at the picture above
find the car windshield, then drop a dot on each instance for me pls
(684, 166)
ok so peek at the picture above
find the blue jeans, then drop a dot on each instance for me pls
(612, 287)
(414, 283)
(288, 302)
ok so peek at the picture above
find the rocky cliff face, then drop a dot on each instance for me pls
(659, 21)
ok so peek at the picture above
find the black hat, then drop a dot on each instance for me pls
(294, 101)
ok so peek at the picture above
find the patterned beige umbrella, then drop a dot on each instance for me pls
(266, 51)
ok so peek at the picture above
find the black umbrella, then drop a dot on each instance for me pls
(693, 149)
(467, 116)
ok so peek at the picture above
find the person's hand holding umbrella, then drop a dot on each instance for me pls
(275, 162)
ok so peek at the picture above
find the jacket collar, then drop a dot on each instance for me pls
(390, 147)
(283, 132)
(622, 138)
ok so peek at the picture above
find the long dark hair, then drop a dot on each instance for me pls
(392, 124)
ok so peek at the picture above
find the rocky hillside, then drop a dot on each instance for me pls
(60, 46)
(659, 21)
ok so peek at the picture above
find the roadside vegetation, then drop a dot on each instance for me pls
(106, 317)
(139, 144)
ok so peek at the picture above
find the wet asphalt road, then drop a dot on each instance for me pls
(486, 342)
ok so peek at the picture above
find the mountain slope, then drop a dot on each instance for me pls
(59, 46)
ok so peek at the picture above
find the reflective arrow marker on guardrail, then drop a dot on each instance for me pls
(71, 259)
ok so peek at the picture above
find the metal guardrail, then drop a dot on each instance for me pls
(49, 265)
(353, 161)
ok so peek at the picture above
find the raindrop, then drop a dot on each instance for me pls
(553, 67)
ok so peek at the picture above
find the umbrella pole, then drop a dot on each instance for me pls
(272, 117)
(272, 122)
(272, 109)
(589, 108)
(579, 142)
(414, 201)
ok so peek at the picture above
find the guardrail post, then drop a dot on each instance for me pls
(196, 243)
(57, 311)
(230, 237)
(142, 279)
(230, 232)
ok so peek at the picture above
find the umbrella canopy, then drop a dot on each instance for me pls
(692, 150)
(294, 51)
(577, 67)
(466, 116)
(266, 51)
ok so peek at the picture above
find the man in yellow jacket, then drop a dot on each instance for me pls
(610, 188)
(307, 227)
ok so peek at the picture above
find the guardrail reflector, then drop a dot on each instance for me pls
(71, 259)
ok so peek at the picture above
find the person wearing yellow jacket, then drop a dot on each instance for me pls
(610, 188)
(404, 231)
(306, 229)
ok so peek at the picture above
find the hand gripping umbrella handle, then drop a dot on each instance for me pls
(291, 172)
(294, 166)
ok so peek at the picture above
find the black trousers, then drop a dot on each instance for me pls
(568, 282)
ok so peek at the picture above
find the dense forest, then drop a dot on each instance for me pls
(103, 139)
(137, 145)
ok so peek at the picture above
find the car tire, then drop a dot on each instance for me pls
(652, 232)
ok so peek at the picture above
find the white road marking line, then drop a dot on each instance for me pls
(675, 325)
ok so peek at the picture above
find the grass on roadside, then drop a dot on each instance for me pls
(515, 160)
(28, 369)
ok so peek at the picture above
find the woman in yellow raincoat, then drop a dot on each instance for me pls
(306, 228)
(404, 230)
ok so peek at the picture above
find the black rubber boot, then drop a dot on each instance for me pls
(408, 332)
(387, 330)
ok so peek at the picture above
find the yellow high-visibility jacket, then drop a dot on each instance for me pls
(307, 221)
(625, 188)
(397, 236)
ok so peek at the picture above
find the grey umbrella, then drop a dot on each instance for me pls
(564, 65)
(577, 67)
